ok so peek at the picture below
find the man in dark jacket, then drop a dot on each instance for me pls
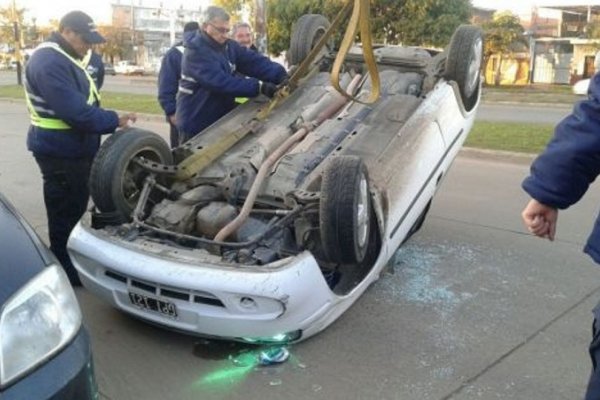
(168, 81)
(66, 124)
(560, 176)
(242, 33)
(209, 83)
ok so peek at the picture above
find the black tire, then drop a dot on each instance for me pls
(116, 181)
(463, 64)
(305, 34)
(345, 210)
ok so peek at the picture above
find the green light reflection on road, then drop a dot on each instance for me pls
(229, 375)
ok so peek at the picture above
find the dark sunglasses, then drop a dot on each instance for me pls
(222, 31)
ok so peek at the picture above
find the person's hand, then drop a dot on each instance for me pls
(268, 89)
(540, 219)
(284, 82)
(173, 119)
(126, 118)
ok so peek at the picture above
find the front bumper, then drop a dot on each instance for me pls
(212, 298)
(67, 376)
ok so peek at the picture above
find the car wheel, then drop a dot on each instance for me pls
(115, 180)
(306, 33)
(345, 210)
(463, 64)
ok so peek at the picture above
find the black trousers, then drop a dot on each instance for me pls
(66, 195)
(173, 135)
(593, 389)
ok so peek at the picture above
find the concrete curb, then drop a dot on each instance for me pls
(497, 155)
(518, 103)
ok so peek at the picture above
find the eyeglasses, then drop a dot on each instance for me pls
(221, 30)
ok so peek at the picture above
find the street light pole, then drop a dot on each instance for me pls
(17, 42)
(133, 45)
(530, 34)
(172, 16)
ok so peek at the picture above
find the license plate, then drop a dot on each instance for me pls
(152, 304)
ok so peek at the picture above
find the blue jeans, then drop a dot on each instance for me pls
(66, 195)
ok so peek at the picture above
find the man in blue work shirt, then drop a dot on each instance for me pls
(66, 124)
(209, 83)
(168, 81)
(559, 178)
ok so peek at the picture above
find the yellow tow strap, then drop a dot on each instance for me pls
(359, 18)
(302, 69)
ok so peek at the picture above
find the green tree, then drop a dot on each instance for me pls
(117, 39)
(235, 7)
(501, 36)
(410, 22)
(7, 19)
(428, 22)
(282, 14)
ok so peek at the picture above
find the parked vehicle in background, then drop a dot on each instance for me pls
(45, 350)
(109, 69)
(581, 87)
(152, 68)
(127, 67)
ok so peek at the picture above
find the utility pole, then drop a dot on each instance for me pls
(260, 26)
(17, 34)
(133, 44)
(172, 17)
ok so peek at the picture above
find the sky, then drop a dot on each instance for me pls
(100, 10)
(515, 6)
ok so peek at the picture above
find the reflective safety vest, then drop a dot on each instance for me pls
(56, 123)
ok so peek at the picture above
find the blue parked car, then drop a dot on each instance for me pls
(45, 350)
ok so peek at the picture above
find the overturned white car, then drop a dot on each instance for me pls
(266, 229)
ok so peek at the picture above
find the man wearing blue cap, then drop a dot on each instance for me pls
(66, 124)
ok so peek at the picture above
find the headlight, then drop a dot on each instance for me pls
(36, 323)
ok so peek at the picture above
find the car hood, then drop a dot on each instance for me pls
(22, 253)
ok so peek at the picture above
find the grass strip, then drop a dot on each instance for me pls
(141, 103)
(510, 136)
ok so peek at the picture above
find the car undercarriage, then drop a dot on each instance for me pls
(305, 197)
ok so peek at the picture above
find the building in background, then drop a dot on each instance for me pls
(561, 52)
(479, 15)
(557, 49)
(151, 28)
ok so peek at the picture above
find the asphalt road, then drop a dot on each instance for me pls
(472, 308)
(523, 113)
